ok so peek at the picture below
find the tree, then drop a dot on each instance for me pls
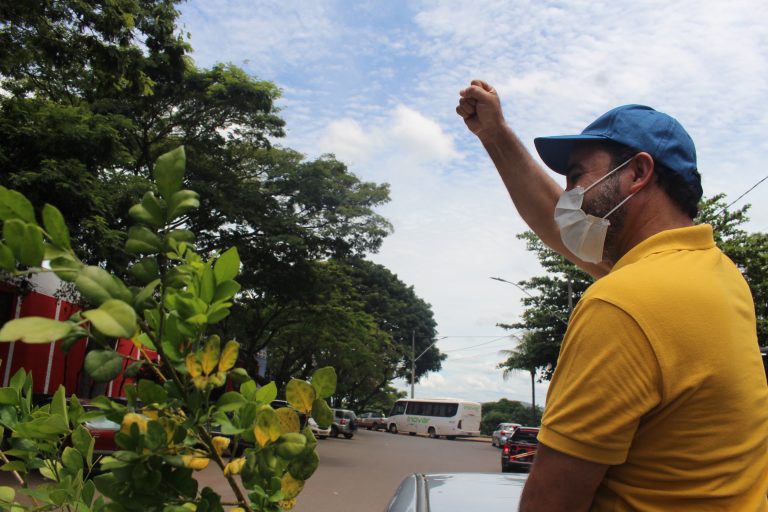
(96, 91)
(507, 411)
(526, 357)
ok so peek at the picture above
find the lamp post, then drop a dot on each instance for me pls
(414, 358)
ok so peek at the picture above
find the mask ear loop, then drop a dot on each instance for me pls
(619, 205)
(608, 174)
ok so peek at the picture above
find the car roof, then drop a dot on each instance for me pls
(458, 492)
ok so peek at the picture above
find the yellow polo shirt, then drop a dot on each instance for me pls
(660, 376)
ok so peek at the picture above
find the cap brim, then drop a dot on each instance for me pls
(555, 151)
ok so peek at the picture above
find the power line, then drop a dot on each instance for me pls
(753, 187)
(480, 344)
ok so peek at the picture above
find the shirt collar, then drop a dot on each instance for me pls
(689, 238)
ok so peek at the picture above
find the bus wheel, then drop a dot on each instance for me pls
(432, 433)
(393, 429)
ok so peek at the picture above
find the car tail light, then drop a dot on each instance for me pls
(506, 450)
(503, 432)
(459, 425)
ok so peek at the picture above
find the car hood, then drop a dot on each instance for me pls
(458, 492)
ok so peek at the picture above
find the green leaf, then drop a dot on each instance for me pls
(103, 365)
(7, 259)
(59, 404)
(34, 329)
(207, 285)
(13, 205)
(226, 290)
(72, 459)
(169, 172)
(98, 286)
(145, 294)
(324, 381)
(25, 240)
(9, 396)
(88, 492)
(227, 266)
(55, 226)
(7, 494)
(182, 202)
(151, 393)
(265, 394)
(300, 394)
(16, 465)
(230, 401)
(113, 318)
(83, 442)
(66, 268)
(322, 413)
(142, 240)
(145, 270)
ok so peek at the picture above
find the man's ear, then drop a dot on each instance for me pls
(642, 172)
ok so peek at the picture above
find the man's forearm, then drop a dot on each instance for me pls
(533, 192)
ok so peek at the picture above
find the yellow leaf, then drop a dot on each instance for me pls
(229, 356)
(267, 429)
(196, 463)
(194, 369)
(133, 418)
(234, 467)
(211, 354)
(287, 504)
(290, 486)
(150, 413)
(200, 382)
(220, 444)
(218, 379)
(289, 420)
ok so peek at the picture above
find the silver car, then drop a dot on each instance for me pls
(458, 492)
(502, 433)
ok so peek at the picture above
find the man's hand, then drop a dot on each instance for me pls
(480, 108)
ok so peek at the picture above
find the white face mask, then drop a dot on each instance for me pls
(583, 234)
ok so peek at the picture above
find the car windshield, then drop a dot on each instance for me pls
(525, 437)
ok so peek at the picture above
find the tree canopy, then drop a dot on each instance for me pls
(94, 92)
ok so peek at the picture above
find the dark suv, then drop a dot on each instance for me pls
(520, 449)
(344, 422)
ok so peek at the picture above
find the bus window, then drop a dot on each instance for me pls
(398, 408)
(450, 410)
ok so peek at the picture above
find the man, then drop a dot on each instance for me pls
(659, 400)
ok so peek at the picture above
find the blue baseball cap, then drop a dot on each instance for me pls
(636, 126)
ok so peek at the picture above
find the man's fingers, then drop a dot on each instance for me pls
(466, 107)
(481, 83)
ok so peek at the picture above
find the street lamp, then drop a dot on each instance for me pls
(414, 358)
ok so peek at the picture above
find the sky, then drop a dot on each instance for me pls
(376, 84)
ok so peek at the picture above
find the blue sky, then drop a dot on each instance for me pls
(376, 84)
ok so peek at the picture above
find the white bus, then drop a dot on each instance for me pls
(435, 417)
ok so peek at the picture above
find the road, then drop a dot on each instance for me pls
(362, 473)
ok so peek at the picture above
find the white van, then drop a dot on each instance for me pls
(435, 417)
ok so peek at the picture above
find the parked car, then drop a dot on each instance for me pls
(320, 433)
(520, 449)
(344, 422)
(103, 432)
(502, 432)
(372, 421)
(458, 492)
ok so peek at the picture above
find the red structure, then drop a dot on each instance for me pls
(49, 366)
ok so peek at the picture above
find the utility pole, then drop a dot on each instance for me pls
(413, 359)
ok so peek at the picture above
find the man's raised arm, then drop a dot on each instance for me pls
(533, 192)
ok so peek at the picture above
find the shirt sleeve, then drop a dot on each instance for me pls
(607, 378)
